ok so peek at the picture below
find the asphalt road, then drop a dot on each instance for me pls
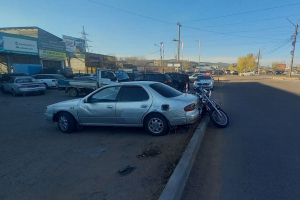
(37, 161)
(257, 156)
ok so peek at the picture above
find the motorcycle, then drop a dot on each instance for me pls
(216, 114)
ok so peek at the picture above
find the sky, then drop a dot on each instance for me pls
(227, 29)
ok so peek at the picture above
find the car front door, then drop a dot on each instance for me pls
(133, 103)
(100, 107)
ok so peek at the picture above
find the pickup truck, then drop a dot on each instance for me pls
(76, 87)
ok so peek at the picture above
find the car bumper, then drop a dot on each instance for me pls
(49, 117)
(189, 118)
(31, 90)
(204, 87)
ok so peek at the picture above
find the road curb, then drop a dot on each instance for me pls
(284, 78)
(177, 181)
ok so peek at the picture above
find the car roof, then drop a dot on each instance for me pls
(20, 77)
(138, 83)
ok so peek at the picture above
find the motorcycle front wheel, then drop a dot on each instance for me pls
(220, 121)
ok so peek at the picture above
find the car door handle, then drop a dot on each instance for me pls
(144, 106)
(110, 106)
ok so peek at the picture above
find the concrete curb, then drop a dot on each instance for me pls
(284, 78)
(177, 181)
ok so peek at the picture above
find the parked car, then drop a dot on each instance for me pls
(85, 77)
(193, 77)
(179, 80)
(234, 73)
(204, 81)
(22, 85)
(154, 106)
(269, 72)
(247, 73)
(227, 71)
(278, 72)
(49, 80)
(122, 76)
(6, 77)
(158, 77)
(190, 73)
(134, 76)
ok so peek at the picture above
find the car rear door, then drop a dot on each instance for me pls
(133, 103)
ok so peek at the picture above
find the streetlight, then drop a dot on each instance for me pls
(199, 43)
(259, 55)
(160, 54)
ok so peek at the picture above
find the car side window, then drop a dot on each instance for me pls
(106, 95)
(133, 93)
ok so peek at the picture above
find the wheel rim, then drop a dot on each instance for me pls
(155, 125)
(63, 123)
(73, 93)
(222, 120)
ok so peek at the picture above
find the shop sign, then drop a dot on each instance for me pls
(51, 45)
(11, 44)
(74, 45)
(52, 55)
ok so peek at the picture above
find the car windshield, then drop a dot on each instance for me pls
(25, 80)
(165, 90)
(203, 77)
(122, 75)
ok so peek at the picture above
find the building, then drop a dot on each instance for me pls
(39, 47)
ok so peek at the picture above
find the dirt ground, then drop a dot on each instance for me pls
(37, 161)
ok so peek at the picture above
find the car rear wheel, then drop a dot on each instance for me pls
(46, 85)
(14, 93)
(73, 92)
(156, 125)
(66, 122)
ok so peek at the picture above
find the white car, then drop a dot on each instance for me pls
(49, 80)
(204, 81)
(194, 76)
(247, 73)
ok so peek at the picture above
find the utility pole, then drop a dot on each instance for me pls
(258, 70)
(178, 42)
(199, 43)
(163, 57)
(294, 43)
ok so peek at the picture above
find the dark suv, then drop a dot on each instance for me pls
(158, 77)
(179, 80)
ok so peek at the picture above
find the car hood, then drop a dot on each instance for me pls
(73, 102)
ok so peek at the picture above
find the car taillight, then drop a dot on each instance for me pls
(190, 107)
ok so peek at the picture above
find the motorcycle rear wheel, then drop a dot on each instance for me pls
(219, 121)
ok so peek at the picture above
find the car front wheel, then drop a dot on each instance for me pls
(66, 122)
(156, 125)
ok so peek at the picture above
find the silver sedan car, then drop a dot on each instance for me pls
(154, 106)
(23, 85)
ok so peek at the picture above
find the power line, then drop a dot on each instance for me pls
(222, 33)
(149, 53)
(279, 47)
(129, 12)
(245, 22)
(241, 13)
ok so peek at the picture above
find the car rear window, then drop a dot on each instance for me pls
(165, 90)
(25, 80)
(203, 77)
